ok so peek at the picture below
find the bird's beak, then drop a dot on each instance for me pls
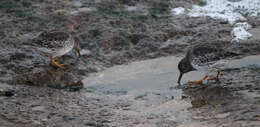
(180, 76)
(77, 50)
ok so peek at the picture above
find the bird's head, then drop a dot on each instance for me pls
(184, 66)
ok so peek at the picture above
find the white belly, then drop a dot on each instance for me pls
(214, 66)
(62, 51)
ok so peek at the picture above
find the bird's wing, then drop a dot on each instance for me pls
(206, 55)
(51, 40)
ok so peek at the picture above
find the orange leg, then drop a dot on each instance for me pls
(198, 82)
(217, 77)
(56, 63)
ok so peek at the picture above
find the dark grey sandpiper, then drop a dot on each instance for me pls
(206, 57)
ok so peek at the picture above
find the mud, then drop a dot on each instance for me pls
(112, 35)
(232, 102)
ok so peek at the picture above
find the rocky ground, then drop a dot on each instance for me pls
(232, 102)
(112, 33)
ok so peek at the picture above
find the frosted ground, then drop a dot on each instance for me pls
(233, 11)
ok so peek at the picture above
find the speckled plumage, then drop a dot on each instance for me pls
(54, 43)
(208, 56)
(204, 57)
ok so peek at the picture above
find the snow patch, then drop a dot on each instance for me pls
(243, 25)
(240, 32)
(131, 8)
(81, 10)
(85, 52)
(224, 9)
(233, 11)
(178, 10)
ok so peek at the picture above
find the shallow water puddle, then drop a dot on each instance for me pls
(151, 87)
(156, 74)
(145, 75)
(244, 62)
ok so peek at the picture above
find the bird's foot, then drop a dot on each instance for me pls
(215, 78)
(56, 64)
(198, 82)
(195, 82)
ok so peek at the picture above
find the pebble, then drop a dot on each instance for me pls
(7, 93)
(223, 115)
(39, 108)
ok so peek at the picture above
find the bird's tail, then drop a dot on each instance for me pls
(32, 40)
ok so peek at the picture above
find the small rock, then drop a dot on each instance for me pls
(223, 115)
(91, 123)
(7, 93)
(38, 108)
(198, 117)
(76, 4)
(184, 96)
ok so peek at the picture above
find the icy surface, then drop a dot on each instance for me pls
(240, 32)
(131, 8)
(233, 11)
(230, 11)
(178, 10)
